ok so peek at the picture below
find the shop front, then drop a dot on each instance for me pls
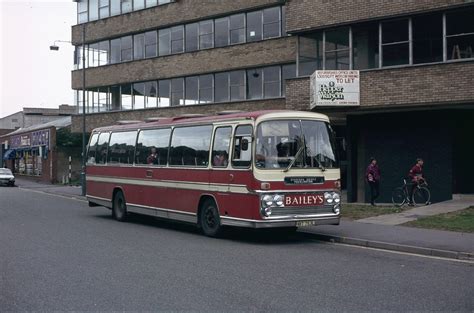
(30, 153)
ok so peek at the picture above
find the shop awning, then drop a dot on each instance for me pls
(9, 154)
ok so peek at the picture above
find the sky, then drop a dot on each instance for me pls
(31, 75)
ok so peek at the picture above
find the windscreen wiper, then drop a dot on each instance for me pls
(294, 160)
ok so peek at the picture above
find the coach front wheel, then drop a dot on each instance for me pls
(209, 219)
(119, 208)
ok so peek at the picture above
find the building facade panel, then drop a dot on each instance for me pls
(305, 15)
(438, 84)
(274, 51)
(160, 16)
(110, 118)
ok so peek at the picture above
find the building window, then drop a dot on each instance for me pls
(104, 52)
(126, 6)
(221, 82)
(138, 46)
(126, 48)
(82, 11)
(103, 8)
(151, 91)
(271, 23)
(206, 88)
(427, 38)
(115, 51)
(395, 43)
(114, 7)
(271, 82)
(192, 90)
(138, 4)
(93, 10)
(164, 93)
(192, 35)
(177, 39)
(126, 96)
(206, 34)
(138, 96)
(164, 44)
(150, 44)
(237, 85)
(337, 49)
(177, 91)
(93, 55)
(150, 3)
(254, 84)
(287, 72)
(310, 54)
(254, 26)
(365, 43)
(460, 34)
(222, 27)
(237, 29)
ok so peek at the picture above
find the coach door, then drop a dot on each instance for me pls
(221, 176)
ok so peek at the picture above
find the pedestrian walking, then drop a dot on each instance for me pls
(372, 175)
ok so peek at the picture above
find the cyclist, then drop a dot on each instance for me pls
(416, 176)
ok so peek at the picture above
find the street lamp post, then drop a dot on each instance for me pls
(54, 47)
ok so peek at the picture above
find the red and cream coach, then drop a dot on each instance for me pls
(249, 169)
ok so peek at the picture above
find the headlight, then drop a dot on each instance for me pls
(267, 201)
(278, 200)
(267, 211)
(332, 197)
(336, 209)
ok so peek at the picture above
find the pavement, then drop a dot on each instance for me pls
(381, 232)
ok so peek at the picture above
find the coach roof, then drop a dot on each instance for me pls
(198, 119)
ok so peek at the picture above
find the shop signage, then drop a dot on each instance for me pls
(335, 88)
(34, 139)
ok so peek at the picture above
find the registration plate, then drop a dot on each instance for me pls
(305, 223)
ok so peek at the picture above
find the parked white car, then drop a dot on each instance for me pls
(6, 177)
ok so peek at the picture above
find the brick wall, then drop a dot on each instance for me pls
(310, 14)
(421, 85)
(110, 118)
(273, 51)
(174, 13)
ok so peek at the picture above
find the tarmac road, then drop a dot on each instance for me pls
(57, 253)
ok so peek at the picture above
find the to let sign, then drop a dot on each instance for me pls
(335, 88)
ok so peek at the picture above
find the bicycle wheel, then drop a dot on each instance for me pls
(398, 196)
(421, 196)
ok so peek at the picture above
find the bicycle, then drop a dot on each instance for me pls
(421, 194)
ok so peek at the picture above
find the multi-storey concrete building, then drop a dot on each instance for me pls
(416, 63)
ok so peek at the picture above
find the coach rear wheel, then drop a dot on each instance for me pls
(119, 209)
(209, 219)
(421, 196)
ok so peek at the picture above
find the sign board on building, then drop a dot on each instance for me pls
(335, 88)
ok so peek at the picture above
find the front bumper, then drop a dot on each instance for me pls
(291, 222)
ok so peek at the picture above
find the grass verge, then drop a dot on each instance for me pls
(460, 221)
(359, 211)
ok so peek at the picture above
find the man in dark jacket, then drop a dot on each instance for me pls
(416, 176)
(372, 175)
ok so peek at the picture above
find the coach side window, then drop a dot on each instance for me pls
(92, 149)
(122, 148)
(220, 150)
(242, 146)
(152, 146)
(102, 147)
(190, 146)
